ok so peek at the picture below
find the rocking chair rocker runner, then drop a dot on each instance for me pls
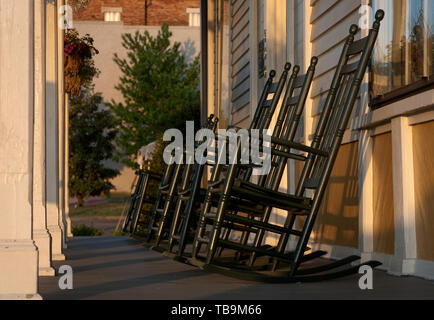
(318, 164)
(190, 195)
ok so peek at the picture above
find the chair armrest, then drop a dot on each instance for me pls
(299, 146)
(288, 155)
(152, 174)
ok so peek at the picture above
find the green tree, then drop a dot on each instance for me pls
(91, 127)
(91, 143)
(160, 90)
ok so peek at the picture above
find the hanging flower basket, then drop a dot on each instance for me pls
(78, 63)
(72, 74)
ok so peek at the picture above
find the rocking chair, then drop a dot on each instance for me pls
(180, 206)
(318, 164)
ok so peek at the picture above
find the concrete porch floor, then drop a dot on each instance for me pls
(111, 267)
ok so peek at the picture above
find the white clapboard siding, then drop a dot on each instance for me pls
(330, 20)
(239, 59)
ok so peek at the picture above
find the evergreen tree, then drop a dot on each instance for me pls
(160, 90)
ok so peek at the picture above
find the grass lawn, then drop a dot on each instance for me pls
(112, 207)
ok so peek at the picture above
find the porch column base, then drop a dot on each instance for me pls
(47, 272)
(402, 267)
(366, 256)
(56, 243)
(19, 269)
(59, 257)
(69, 227)
(43, 243)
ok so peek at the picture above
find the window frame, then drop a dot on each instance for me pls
(112, 10)
(417, 87)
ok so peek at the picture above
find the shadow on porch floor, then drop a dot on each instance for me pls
(111, 267)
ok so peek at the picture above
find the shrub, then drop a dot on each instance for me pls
(85, 231)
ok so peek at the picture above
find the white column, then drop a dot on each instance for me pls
(308, 117)
(68, 220)
(52, 133)
(61, 124)
(366, 173)
(403, 197)
(41, 235)
(366, 185)
(18, 253)
(290, 53)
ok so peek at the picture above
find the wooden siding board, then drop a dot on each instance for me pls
(241, 76)
(239, 65)
(320, 7)
(423, 157)
(334, 37)
(384, 228)
(334, 17)
(338, 218)
(241, 36)
(242, 101)
(237, 5)
(240, 89)
(241, 51)
(239, 18)
(239, 56)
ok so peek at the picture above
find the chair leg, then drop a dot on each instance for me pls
(202, 224)
(175, 221)
(226, 235)
(168, 203)
(133, 199)
(188, 210)
(139, 204)
(185, 224)
(132, 208)
(244, 239)
(206, 206)
(153, 217)
(283, 240)
(259, 238)
(163, 219)
(217, 226)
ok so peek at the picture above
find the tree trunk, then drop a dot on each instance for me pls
(80, 201)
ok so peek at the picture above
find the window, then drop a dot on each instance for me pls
(112, 14)
(193, 17)
(403, 57)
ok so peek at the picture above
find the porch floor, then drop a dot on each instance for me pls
(110, 267)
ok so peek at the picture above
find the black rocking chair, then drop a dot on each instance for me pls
(263, 115)
(318, 165)
(189, 195)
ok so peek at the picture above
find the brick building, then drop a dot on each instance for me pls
(142, 12)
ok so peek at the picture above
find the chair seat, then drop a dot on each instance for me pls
(165, 187)
(186, 194)
(258, 195)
